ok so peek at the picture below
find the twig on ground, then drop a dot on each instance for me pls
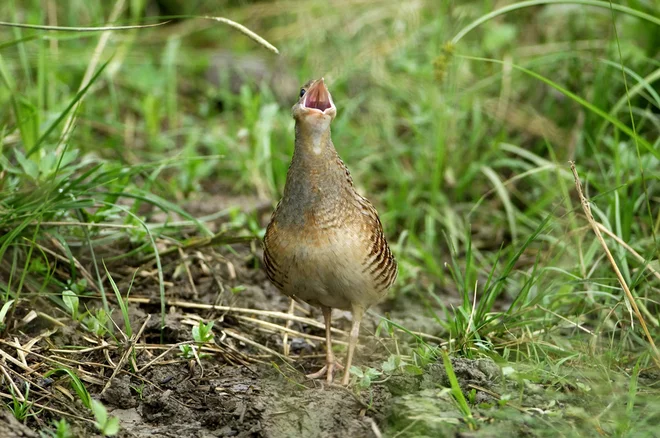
(160, 356)
(188, 273)
(241, 338)
(127, 353)
(275, 327)
(229, 309)
(79, 266)
(56, 411)
(635, 254)
(17, 393)
(575, 324)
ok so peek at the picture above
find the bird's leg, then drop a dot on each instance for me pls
(330, 363)
(285, 336)
(352, 342)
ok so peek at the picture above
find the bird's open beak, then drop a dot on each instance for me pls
(318, 97)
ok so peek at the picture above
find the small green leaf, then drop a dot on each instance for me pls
(413, 369)
(504, 399)
(195, 334)
(71, 302)
(100, 414)
(365, 382)
(79, 286)
(4, 310)
(76, 384)
(29, 167)
(372, 372)
(356, 371)
(583, 387)
(202, 332)
(508, 371)
(472, 396)
(392, 363)
(111, 427)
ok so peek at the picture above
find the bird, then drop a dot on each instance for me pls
(324, 244)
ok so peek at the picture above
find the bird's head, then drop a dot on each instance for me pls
(315, 108)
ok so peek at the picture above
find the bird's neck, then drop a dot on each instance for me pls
(313, 144)
(317, 177)
(315, 163)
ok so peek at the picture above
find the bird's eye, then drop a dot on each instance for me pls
(302, 92)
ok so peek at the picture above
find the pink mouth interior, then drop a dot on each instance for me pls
(318, 98)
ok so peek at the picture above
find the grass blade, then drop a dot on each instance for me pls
(61, 117)
(591, 107)
(457, 393)
(601, 4)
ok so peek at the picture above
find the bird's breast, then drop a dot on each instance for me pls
(321, 263)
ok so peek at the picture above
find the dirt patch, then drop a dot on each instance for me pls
(12, 428)
(238, 402)
(259, 401)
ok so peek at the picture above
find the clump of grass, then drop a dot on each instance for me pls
(202, 334)
(20, 405)
(61, 429)
(522, 310)
(77, 385)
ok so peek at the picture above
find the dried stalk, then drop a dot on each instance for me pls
(629, 296)
(129, 350)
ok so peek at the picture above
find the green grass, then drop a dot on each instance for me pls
(457, 120)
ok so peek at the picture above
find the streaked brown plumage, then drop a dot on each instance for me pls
(324, 244)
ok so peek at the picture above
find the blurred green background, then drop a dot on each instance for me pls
(463, 146)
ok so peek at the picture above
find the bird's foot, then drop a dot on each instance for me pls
(328, 371)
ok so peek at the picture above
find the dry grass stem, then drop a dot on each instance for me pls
(575, 324)
(17, 392)
(13, 360)
(53, 410)
(86, 224)
(272, 314)
(188, 273)
(628, 294)
(90, 280)
(89, 73)
(127, 353)
(162, 355)
(252, 35)
(79, 28)
(274, 328)
(241, 338)
(628, 248)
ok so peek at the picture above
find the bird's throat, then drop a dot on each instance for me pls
(313, 142)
